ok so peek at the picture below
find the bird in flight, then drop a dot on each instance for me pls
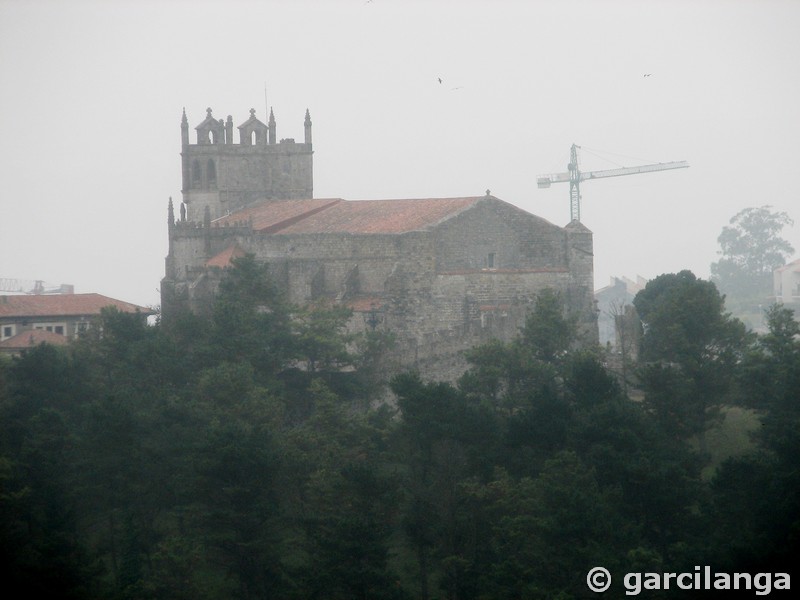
(647, 74)
(440, 79)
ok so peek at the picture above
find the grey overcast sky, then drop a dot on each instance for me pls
(91, 95)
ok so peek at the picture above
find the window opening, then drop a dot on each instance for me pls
(197, 177)
(211, 172)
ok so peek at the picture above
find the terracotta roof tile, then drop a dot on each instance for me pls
(505, 271)
(354, 216)
(62, 305)
(381, 216)
(31, 338)
(225, 258)
(789, 266)
(365, 303)
(271, 215)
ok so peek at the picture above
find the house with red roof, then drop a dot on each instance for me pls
(31, 338)
(786, 283)
(443, 274)
(35, 318)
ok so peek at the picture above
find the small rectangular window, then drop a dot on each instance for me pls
(490, 260)
(8, 331)
(60, 328)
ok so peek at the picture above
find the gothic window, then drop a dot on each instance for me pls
(211, 173)
(197, 176)
(253, 138)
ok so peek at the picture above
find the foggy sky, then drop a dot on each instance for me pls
(91, 95)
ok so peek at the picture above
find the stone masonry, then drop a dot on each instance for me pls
(442, 274)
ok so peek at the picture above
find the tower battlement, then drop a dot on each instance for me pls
(223, 174)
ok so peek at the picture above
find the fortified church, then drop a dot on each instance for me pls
(442, 274)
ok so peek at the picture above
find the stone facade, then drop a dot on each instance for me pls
(442, 274)
(225, 176)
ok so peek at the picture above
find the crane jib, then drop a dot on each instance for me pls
(575, 176)
(634, 170)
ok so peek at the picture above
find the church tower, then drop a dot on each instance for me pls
(220, 176)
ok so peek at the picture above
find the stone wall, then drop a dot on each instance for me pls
(437, 290)
(515, 239)
(225, 176)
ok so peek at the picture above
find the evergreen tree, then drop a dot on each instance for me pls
(689, 351)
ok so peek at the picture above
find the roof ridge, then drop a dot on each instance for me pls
(274, 228)
(474, 200)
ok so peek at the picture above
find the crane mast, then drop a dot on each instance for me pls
(575, 176)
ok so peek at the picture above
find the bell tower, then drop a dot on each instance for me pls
(220, 176)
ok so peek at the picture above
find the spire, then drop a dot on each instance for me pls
(271, 127)
(170, 214)
(308, 127)
(184, 129)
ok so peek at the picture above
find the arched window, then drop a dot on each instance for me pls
(253, 138)
(211, 173)
(197, 176)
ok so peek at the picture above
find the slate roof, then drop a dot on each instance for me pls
(62, 305)
(335, 215)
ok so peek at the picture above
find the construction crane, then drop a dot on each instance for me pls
(575, 176)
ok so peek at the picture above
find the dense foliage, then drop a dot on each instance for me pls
(241, 456)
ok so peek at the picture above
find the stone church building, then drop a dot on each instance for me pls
(443, 274)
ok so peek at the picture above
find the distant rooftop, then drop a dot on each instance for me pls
(31, 338)
(63, 305)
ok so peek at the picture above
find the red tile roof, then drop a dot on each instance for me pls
(31, 338)
(355, 216)
(365, 303)
(62, 305)
(789, 266)
(272, 215)
(505, 271)
(225, 258)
